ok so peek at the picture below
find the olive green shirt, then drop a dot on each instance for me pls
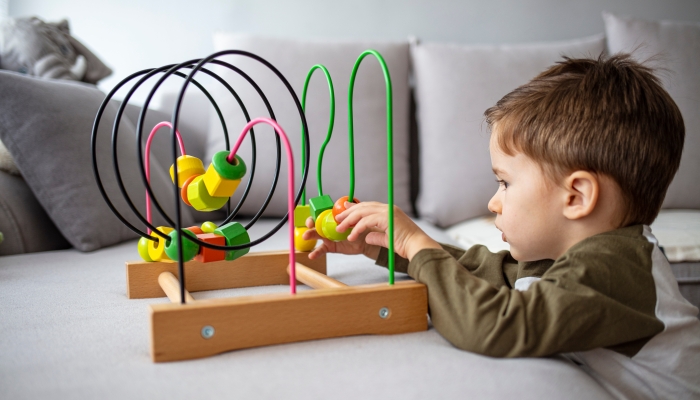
(600, 293)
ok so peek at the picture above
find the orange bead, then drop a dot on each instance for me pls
(208, 255)
(339, 206)
(195, 229)
(183, 192)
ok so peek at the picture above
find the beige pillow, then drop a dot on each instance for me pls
(675, 47)
(294, 58)
(455, 84)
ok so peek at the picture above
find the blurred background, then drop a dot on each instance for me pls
(156, 32)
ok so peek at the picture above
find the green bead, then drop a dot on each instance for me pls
(226, 169)
(199, 196)
(143, 249)
(189, 248)
(208, 227)
(301, 214)
(320, 204)
(235, 234)
(329, 225)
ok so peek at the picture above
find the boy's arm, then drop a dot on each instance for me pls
(556, 314)
(498, 269)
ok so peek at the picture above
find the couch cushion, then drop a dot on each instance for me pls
(675, 48)
(24, 224)
(454, 86)
(46, 125)
(294, 58)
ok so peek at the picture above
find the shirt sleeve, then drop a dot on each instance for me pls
(472, 304)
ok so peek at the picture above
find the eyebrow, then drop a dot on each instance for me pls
(497, 171)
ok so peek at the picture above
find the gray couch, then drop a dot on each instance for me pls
(68, 330)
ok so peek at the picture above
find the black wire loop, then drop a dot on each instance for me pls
(195, 66)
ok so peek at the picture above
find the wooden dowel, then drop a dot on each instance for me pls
(171, 287)
(314, 278)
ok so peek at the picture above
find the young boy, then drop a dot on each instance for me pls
(583, 155)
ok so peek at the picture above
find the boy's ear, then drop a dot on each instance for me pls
(581, 189)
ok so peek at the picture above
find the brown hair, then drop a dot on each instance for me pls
(607, 116)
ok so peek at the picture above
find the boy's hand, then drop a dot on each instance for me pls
(370, 223)
(343, 247)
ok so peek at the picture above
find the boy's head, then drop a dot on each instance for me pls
(604, 135)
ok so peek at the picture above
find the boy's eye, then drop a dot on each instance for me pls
(503, 183)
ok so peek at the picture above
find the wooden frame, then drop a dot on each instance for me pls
(202, 328)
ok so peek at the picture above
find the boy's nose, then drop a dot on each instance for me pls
(495, 204)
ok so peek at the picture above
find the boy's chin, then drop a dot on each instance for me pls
(524, 256)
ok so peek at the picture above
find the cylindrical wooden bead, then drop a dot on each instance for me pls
(235, 234)
(232, 171)
(187, 166)
(189, 248)
(157, 249)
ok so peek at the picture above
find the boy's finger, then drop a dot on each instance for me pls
(356, 214)
(355, 207)
(310, 223)
(367, 223)
(310, 235)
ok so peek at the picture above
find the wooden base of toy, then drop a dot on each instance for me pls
(202, 328)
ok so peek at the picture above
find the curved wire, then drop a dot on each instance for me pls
(331, 121)
(148, 161)
(389, 146)
(290, 188)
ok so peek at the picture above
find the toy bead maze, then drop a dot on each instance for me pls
(178, 260)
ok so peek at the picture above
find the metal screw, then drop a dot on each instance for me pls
(384, 312)
(208, 332)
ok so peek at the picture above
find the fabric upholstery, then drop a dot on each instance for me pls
(193, 136)
(46, 125)
(66, 319)
(23, 222)
(294, 59)
(674, 48)
(455, 84)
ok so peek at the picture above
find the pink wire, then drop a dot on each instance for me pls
(148, 164)
(290, 187)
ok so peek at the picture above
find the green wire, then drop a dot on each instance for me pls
(330, 127)
(389, 147)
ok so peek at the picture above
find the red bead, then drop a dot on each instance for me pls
(339, 206)
(208, 255)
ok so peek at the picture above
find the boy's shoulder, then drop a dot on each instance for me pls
(617, 264)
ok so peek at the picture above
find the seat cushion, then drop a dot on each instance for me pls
(294, 58)
(25, 226)
(46, 124)
(455, 84)
(674, 48)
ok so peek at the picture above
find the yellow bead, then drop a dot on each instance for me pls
(143, 249)
(200, 198)
(208, 227)
(319, 222)
(187, 166)
(301, 214)
(156, 250)
(328, 225)
(218, 186)
(301, 244)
